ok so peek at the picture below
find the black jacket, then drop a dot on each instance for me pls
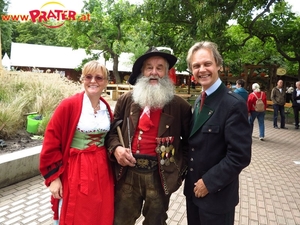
(219, 148)
(295, 98)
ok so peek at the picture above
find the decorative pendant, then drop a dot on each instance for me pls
(172, 159)
(167, 162)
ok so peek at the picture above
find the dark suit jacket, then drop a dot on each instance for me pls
(175, 121)
(219, 148)
(295, 98)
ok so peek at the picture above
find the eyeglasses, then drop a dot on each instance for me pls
(97, 78)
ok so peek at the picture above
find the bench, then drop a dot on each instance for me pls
(116, 90)
(269, 106)
(111, 93)
(287, 108)
(184, 96)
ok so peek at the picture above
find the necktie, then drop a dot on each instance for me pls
(203, 96)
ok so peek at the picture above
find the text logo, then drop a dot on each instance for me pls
(51, 15)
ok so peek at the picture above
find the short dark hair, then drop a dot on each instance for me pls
(241, 82)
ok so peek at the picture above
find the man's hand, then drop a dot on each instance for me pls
(56, 188)
(124, 156)
(200, 189)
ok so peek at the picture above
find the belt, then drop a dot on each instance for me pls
(145, 162)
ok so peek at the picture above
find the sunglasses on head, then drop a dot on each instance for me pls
(97, 78)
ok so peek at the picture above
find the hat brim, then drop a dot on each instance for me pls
(137, 66)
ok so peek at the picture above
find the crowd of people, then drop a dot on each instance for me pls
(278, 97)
(105, 167)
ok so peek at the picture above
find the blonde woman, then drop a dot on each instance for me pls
(73, 159)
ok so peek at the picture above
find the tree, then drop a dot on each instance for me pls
(107, 31)
(254, 51)
(179, 24)
(280, 27)
(5, 29)
(34, 33)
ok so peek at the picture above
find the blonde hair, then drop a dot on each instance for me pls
(213, 47)
(256, 87)
(93, 67)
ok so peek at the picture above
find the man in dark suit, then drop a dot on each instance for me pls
(219, 143)
(296, 104)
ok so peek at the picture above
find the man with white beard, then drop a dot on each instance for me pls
(154, 123)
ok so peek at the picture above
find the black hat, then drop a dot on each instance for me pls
(137, 66)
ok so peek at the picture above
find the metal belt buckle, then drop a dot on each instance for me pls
(144, 163)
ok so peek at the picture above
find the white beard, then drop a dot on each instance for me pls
(154, 96)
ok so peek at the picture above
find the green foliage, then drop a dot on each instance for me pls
(35, 33)
(253, 52)
(109, 29)
(279, 27)
(267, 30)
(5, 29)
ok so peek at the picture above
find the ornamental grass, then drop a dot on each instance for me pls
(25, 93)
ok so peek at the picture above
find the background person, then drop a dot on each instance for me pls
(159, 125)
(296, 104)
(257, 93)
(278, 98)
(240, 83)
(289, 91)
(74, 160)
(228, 85)
(193, 82)
(219, 143)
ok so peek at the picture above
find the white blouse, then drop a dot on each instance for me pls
(91, 122)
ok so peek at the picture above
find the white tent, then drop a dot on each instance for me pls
(36, 56)
(6, 62)
(30, 55)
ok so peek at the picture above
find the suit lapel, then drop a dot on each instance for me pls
(164, 123)
(208, 109)
(200, 118)
(134, 116)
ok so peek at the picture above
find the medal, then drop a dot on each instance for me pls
(157, 150)
(167, 149)
(167, 162)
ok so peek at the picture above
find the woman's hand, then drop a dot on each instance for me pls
(56, 188)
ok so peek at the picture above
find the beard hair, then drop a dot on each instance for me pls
(154, 96)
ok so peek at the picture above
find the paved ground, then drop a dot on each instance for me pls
(269, 188)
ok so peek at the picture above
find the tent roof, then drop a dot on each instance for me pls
(44, 56)
(31, 55)
(6, 61)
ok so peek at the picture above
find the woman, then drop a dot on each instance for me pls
(256, 94)
(73, 159)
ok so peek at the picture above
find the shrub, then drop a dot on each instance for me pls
(22, 93)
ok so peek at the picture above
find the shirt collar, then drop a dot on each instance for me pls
(213, 87)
